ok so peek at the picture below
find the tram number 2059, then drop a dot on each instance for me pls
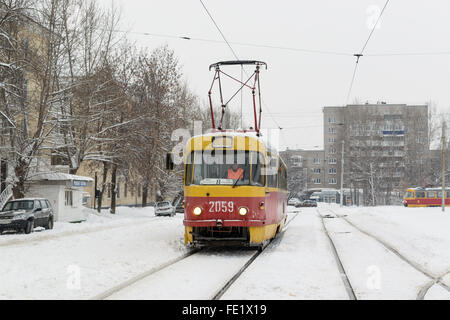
(221, 206)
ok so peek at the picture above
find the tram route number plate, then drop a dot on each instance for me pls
(221, 206)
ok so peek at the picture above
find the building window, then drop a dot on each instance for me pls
(332, 170)
(332, 181)
(332, 130)
(332, 150)
(316, 160)
(332, 120)
(332, 161)
(332, 140)
(68, 199)
(316, 170)
(296, 161)
(316, 181)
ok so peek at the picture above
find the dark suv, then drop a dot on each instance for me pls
(26, 214)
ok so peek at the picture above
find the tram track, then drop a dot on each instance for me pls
(434, 279)
(346, 281)
(143, 275)
(216, 296)
(278, 238)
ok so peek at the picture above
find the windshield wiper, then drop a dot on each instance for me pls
(241, 177)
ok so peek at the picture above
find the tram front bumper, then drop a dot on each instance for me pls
(224, 223)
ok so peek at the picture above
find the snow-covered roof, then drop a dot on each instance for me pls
(59, 176)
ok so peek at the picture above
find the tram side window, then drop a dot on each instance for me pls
(272, 174)
(447, 194)
(420, 194)
(282, 178)
(257, 162)
(431, 194)
(188, 169)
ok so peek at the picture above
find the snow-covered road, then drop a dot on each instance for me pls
(82, 261)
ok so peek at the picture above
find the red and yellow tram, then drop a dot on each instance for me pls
(425, 197)
(221, 208)
(235, 184)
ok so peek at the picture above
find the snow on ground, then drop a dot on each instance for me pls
(80, 261)
(301, 266)
(84, 259)
(94, 222)
(199, 276)
(373, 271)
(421, 234)
(436, 292)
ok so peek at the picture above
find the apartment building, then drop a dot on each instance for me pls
(305, 167)
(382, 145)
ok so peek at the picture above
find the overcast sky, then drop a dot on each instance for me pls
(297, 85)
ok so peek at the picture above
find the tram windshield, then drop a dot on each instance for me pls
(225, 167)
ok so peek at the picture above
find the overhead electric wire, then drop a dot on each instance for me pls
(374, 26)
(220, 31)
(235, 55)
(246, 44)
(275, 47)
(360, 54)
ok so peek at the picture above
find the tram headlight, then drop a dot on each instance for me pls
(243, 211)
(197, 211)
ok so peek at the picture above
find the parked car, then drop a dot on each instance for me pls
(164, 208)
(293, 201)
(307, 203)
(180, 207)
(26, 214)
(151, 204)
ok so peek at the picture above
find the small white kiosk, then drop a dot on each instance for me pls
(64, 191)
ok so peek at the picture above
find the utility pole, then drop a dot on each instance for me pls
(443, 166)
(371, 185)
(342, 174)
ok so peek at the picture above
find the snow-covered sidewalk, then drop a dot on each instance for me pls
(78, 261)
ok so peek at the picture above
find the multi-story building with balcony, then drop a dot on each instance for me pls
(384, 146)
